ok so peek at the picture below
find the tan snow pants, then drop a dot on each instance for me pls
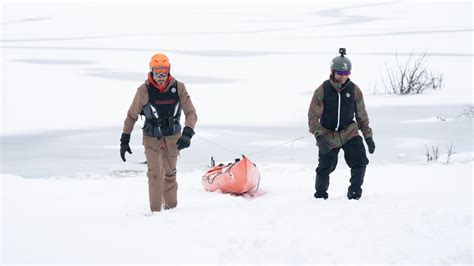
(161, 156)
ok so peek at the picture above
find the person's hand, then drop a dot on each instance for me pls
(185, 140)
(370, 144)
(323, 144)
(124, 145)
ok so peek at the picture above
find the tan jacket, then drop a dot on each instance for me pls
(141, 99)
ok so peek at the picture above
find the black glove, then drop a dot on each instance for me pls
(323, 144)
(185, 140)
(370, 144)
(124, 147)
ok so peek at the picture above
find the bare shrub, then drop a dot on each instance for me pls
(432, 155)
(412, 76)
(450, 152)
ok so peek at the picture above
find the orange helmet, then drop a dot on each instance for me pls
(159, 60)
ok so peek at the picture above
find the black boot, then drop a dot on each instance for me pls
(322, 184)
(321, 195)
(357, 179)
(353, 195)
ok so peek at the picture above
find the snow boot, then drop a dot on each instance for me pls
(357, 179)
(353, 195)
(322, 183)
(321, 195)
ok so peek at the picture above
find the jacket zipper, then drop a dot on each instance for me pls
(338, 110)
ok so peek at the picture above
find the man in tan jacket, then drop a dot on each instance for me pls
(160, 99)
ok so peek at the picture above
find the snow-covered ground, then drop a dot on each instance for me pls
(409, 214)
(70, 70)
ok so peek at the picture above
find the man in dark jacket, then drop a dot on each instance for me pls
(331, 115)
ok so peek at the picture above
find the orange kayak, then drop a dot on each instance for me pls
(239, 177)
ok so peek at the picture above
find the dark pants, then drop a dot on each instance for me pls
(356, 159)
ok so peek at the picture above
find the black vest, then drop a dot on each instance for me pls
(162, 112)
(342, 104)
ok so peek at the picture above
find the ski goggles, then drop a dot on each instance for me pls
(343, 72)
(160, 75)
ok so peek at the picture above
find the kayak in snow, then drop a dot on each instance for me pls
(239, 177)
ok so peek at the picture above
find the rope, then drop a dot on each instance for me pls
(229, 167)
(276, 146)
(218, 145)
(257, 152)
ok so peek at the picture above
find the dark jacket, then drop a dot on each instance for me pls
(332, 111)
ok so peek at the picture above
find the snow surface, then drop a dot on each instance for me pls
(415, 213)
(70, 70)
